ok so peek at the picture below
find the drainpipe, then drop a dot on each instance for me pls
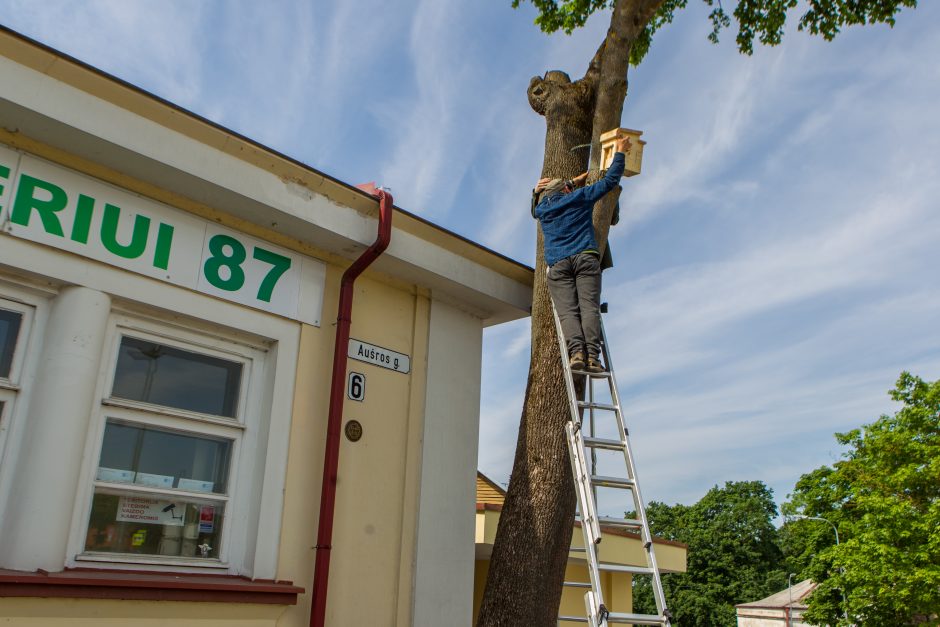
(331, 457)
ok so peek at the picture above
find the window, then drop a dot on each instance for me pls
(164, 375)
(10, 322)
(172, 422)
(173, 524)
(15, 320)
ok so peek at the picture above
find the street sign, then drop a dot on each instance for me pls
(356, 386)
(372, 354)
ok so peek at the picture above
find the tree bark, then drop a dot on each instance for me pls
(533, 538)
(626, 24)
(527, 567)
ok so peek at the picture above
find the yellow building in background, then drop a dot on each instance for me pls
(617, 547)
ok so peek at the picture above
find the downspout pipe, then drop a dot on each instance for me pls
(331, 457)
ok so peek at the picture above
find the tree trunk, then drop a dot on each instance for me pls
(532, 543)
(531, 549)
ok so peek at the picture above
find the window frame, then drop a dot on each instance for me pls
(11, 387)
(207, 347)
(28, 313)
(243, 431)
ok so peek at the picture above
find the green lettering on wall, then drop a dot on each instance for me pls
(26, 201)
(109, 229)
(82, 224)
(229, 253)
(161, 256)
(279, 265)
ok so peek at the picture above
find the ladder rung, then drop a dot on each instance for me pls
(593, 375)
(623, 568)
(577, 584)
(610, 521)
(576, 549)
(636, 619)
(573, 619)
(579, 519)
(612, 482)
(590, 405)
(611, 445)
(630, 523)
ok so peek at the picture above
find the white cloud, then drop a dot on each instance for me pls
(432, 147)
(116, 36)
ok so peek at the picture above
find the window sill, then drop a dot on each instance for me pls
(87, 583)
(123, 561)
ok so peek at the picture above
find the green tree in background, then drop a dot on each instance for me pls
(733, 554)
(884, 498)
(530, 551)
(800, 541)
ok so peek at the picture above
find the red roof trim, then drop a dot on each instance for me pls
(88, 583)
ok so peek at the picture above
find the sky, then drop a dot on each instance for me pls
(776, 261)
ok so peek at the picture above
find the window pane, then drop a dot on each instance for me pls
(163, 459)
(154, 526)
(9, 329)
(169, 376)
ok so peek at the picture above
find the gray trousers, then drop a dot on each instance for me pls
(575, 286)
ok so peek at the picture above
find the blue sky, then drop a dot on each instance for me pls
(776, 262)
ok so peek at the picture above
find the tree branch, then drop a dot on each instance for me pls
(594, 68)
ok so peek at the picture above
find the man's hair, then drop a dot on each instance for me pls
(554, 186)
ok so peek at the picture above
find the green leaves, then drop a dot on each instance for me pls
(828, 18)
(884, 498)
(664, 15)
(566, 15)
(760, 20)
(733, 554)
(763, 19)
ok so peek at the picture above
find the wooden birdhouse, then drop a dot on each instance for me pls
(634, 157)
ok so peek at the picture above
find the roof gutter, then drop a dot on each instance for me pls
(331, 457)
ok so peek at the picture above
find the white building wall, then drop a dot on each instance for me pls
(767, 617)
(445, 539)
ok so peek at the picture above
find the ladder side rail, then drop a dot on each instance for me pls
(589, 524)
(586, 505)
(569, 380)
(646, 535)
(612, 382)
(582, 484)
(590, 386)
(590, 529)
(592, 606)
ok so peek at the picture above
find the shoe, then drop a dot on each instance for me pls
(594, 365)
(576, 361)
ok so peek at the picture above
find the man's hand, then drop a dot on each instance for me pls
(580, 179)
(623, 145)
(541, 184)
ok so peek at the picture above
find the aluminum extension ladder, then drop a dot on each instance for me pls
(582, 446)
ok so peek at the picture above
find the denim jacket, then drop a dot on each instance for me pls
(566, 218)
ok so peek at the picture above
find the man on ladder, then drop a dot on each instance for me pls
(574, 281)
(574, 259)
